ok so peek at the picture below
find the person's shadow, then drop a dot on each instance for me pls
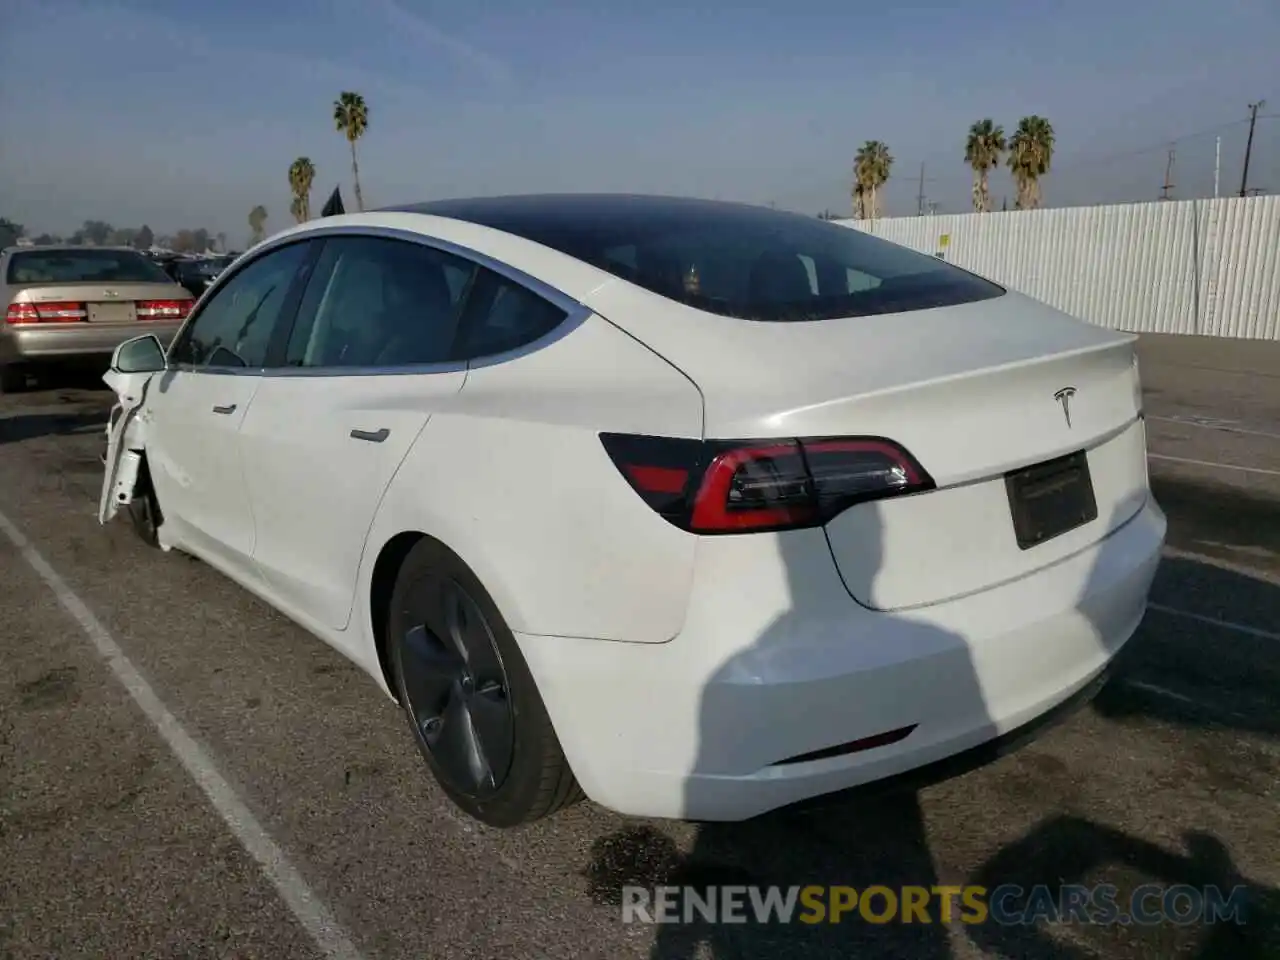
(925, 677)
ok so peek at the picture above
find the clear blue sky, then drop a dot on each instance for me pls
(184, 114)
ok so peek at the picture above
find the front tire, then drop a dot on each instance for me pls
(144, 510)
(472, 704)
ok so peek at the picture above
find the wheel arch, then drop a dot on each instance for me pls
(382, 580)
(381, 584)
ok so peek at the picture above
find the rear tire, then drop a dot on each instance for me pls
(472, 705)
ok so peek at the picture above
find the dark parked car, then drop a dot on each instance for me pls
(197, 275)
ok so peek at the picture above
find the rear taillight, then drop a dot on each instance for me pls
(746, 486)
(60, 312)
(163, 309)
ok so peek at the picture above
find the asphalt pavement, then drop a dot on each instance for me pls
(184, 773)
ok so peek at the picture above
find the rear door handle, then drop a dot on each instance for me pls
(373, 436)
(229, 408)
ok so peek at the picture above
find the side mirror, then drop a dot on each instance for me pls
(139, 355)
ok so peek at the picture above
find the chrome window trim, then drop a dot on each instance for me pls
(575, 311)
(453, 366)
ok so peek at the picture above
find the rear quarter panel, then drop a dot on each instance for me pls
(514, 479)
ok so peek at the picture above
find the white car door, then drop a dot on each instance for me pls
(195, 408)
(367, 364)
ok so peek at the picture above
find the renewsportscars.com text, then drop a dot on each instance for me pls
(1009, 904)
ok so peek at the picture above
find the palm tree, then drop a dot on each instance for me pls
(871, 169)
(301, 173)
(257, 223)
(859, 198)
(351, 117)
(1030, 155)
(982, 152)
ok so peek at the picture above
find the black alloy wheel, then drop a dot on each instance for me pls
(468, 694)
(456, 688)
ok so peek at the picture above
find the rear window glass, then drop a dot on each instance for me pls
(205, 268)
(83, 266)
(732, 259)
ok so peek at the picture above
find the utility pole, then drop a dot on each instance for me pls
(920, 195)
(1248, 148)
(1165, 191)
(1217, 166)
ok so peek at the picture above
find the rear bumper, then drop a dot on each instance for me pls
(63, 341)
(702, 727)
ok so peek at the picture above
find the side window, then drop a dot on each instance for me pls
(234, 327)
(377, 302)
(859, 281)
(512, 317)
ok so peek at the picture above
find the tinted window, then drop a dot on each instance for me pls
(731, 259)
(234, 327)
(506, 316)
(202, 269)
(83, 266)
(374, 302)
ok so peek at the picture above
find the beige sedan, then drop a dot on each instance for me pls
(65, 303)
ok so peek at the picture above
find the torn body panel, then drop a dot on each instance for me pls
(126, 442)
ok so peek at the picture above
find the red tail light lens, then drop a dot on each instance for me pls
(55, 312)
(755, 488)
(21, 313)
(719, 487)
(163, 309)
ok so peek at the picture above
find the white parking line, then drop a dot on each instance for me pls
(1225, 426)
(1211, 463)
(332, 940)
(1151, 688)
(1215, 621)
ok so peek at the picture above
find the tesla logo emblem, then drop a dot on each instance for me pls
(1064, 396)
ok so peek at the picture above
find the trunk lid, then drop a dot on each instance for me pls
(971, 391)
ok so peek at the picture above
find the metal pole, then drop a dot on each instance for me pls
(1248, 147)
(1217, 166)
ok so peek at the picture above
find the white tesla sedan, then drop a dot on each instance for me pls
(697, 508)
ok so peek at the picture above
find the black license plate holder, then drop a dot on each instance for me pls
(1051, 498)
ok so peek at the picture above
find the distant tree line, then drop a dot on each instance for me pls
(99, 233)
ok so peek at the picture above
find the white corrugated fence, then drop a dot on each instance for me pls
(1209, 267)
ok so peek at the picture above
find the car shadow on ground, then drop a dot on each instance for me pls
(876, 836)
(79, 399)
(28, 426)
(72, 375)
(1194, 674)
(1249, 529)
(1067, 851)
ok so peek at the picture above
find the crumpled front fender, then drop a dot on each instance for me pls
(126, 442)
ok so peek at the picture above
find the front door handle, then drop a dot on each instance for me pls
(373, 436)
(229, 408)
